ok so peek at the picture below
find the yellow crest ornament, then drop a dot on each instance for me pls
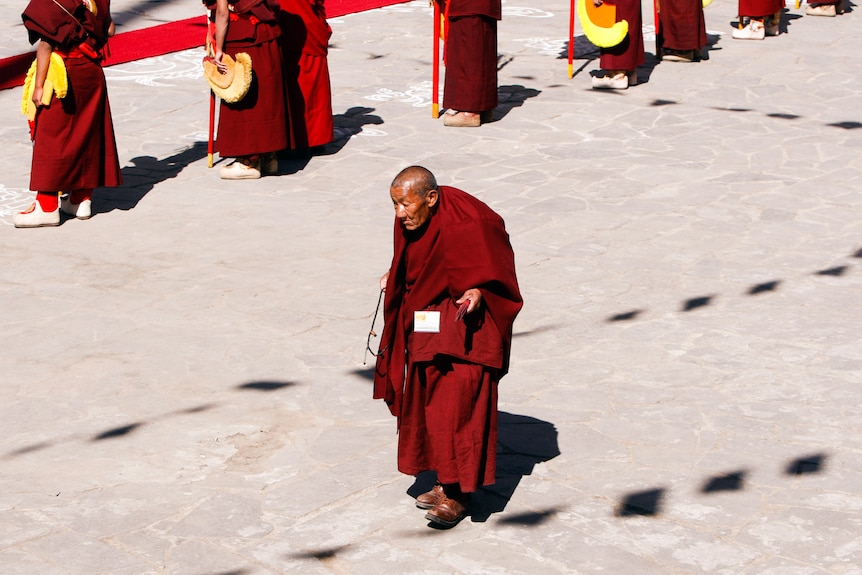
(600, 25)
(233, 85)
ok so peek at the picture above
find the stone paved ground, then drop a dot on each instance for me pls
(183, 387)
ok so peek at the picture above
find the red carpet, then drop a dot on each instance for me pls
(164, 39)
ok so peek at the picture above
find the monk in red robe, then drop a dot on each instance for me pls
(305, 37)
(619, 63)
(451, 299)
(470, 86)
(682, 30)
(253, 129)
(74, 150)
(764, 17)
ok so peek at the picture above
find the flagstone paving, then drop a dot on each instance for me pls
(183, 380)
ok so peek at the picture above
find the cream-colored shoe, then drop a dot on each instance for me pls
(239, 170)
(462, 119)
(754, 31)
(614, 81)
(82, 211)
(34, 217)
(827, 10)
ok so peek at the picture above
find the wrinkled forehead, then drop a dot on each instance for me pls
(404, 193)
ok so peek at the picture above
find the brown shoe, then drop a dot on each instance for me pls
(431, 498)
(447, 512)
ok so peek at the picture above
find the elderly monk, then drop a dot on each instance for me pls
(74, 149)
(470, 86)
(682, 30)
(253, 129)
(451, 299)
(305, 45)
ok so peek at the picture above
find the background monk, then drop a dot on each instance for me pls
(619, 63)
(451, 299)
(74, 149)
(305, 44)
(682, 30)
(764, 17)
(470, 86)
(253, 129)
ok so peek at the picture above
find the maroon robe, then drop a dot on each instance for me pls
(74, 146)
(628, 54)
(256, 124)
(760, 8)
(682, 25)
(305, 45)
(471, 55)
(447, 403)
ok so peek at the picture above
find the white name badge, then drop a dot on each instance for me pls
(426, 321)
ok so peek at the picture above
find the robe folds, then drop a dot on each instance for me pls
(470, 84)
(442, 386)
(682, 25)
(628, 54)
(74, 146)
(305, 45)
(257, 123)
(760, 8)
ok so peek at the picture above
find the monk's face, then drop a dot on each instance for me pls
(412, 209)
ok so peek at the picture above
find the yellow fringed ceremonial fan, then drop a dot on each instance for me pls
(56, 82)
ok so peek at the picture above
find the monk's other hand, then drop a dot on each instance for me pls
(383, 280)
(475, 297)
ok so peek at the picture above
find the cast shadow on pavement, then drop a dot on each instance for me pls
(694, 303)
(351, 123)
(522, 442)
(140, 178)
(648, 502)
(345, 126)
(511, 96)
(260, 386)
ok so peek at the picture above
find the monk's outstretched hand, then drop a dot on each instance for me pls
(383, 279)
(475, 297)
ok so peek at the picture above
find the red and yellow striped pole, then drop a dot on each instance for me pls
(435, 74)
(571, 36)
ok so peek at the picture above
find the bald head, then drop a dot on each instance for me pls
(415, 179)
(414, 196)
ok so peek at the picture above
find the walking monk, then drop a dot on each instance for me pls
(451, 299)
(73, 138)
